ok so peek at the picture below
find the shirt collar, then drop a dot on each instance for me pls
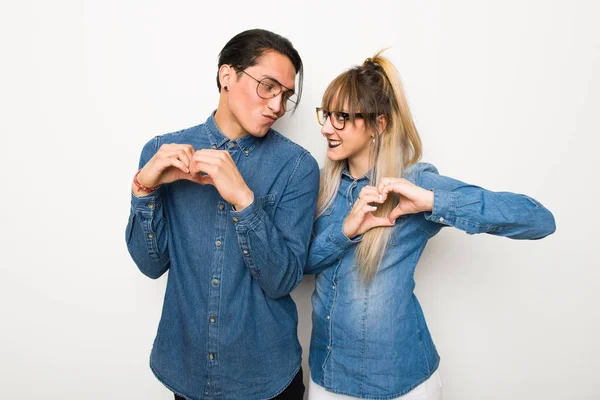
(218, 140)
(346, 174)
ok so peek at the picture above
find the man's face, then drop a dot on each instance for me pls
(254, 114)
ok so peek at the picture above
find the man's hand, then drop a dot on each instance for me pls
(170, 163)
(223, 174)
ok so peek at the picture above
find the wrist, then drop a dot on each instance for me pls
(428, 203)
(142, 188)
(244, 201)
(346, 231)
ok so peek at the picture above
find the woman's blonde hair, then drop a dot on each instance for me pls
(375, 90)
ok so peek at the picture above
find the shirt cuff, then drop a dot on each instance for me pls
(146, 205)
(444, 208)
(342, 241)
(249, 217)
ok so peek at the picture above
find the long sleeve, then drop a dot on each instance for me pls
(327, 247)
(476, 210)
(275, 249)
(146, 234)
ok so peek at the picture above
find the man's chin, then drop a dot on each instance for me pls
(260, 131)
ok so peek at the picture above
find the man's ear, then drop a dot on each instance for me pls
(226, 75)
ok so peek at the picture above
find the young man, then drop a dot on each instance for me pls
(227, 207)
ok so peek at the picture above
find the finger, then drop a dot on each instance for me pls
(183, 156)
(385, 190)
(206, 180)
(381, 221)
(169, 149)
(174, 162)
(399, 186)
(189, 150)
(214, 157)
(383, 184)
(396, 213)
(370, 192)
(368, 209)
(202, 167)
(387, 181)
(169, 154)
(368, 189)
(217, 154)
(372, 198)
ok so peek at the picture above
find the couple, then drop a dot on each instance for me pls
(228, 208)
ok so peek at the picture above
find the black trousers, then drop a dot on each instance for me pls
(294, 391)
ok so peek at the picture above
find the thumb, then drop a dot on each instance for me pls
(381, 221)
(205, 180)
(396, 212)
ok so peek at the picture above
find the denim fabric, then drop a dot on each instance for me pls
(372, 341)
(229, 326)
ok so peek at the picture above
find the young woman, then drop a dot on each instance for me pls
(377, 209)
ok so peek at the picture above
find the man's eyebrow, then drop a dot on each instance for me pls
(270, 77)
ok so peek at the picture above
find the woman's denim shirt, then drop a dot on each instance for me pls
(372, 341)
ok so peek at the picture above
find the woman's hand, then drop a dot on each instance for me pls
(413, 199)
(361, 217)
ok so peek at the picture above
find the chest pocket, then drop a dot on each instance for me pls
(324, 219)
(396, 235)
(267, 203)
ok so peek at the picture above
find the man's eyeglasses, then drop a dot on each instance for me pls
(268, 88)
(337, 118)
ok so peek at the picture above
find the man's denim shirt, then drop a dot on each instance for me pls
(372, 341)
(229, 326)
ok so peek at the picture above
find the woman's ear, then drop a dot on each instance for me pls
(381, 123)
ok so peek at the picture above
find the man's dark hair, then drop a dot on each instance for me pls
(246, 48)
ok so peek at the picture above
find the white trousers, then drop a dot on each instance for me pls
(431, 389)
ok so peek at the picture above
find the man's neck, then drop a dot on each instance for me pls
(228, 124)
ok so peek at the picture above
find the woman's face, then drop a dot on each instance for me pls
(353, 142)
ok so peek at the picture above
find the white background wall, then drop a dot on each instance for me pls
(505, 95)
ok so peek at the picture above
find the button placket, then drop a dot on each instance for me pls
(212, 386)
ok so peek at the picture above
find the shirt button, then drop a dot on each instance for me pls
(214, 146)
(441, 219)
(235, 220)
(246, 151)
(218, 243)
(211, 356)
(231, 144)
(213, 319)
(245, 252)
(150, 235)
(215, 282)
(333, 287)
(328, 317)
(221, 206)
(151, 206)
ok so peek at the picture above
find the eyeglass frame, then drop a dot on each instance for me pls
(342, 113)
(287, 89)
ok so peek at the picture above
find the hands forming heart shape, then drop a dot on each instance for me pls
(206, 167)
(413, 200)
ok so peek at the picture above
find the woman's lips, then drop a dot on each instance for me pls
(333, 143)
